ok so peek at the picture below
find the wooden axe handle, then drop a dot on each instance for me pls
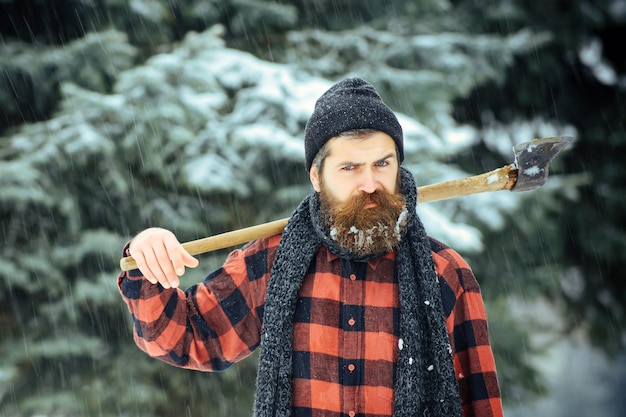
(499, 179)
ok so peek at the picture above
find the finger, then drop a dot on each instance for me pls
(156, 268)
(176, 255)
(189, 260)
(138, 255)
(168, 277)
(143, 265)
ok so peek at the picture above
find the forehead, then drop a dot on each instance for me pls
(368, 146)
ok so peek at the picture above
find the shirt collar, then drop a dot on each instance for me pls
(373, 263)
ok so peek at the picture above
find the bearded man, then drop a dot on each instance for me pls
(357, 312)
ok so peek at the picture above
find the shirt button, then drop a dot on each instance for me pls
(352, 413)
(352, 277)
(351, 321)
(351, 367)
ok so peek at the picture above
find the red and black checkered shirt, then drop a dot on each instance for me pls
(345, 329)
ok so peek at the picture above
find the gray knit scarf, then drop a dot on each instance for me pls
(425, 383)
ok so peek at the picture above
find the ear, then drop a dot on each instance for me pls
(315, 179)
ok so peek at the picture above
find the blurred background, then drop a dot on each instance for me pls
(116, 115)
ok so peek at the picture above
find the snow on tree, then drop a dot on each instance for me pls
(203, 138)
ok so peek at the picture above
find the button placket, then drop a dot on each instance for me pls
(352, 298)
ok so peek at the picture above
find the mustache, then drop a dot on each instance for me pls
(383, 200)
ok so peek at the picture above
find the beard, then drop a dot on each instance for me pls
(365, 231)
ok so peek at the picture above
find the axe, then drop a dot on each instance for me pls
(528, 171)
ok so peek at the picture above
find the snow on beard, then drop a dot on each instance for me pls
(365, 231)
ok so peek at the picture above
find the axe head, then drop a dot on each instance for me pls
(532, 160)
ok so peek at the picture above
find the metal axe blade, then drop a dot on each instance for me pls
(532, 160)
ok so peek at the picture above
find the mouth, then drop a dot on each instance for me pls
(370, 204)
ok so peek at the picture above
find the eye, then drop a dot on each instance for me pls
(348, 167)
(382, 163)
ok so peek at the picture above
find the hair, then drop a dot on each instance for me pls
(321, 155)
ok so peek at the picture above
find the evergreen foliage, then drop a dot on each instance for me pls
(121, 114)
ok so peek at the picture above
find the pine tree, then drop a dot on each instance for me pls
(117, 117)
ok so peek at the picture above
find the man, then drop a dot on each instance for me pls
(356, 310)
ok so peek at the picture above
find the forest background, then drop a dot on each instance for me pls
(116, 115)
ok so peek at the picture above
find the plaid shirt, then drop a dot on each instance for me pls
(345, 328)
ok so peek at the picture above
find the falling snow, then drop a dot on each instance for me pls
(196, 136)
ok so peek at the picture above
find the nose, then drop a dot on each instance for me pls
(368, 183)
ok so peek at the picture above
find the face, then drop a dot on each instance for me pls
(359, 202)
(357, 166)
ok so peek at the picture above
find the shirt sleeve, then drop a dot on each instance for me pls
(466, 322)
(210, 325)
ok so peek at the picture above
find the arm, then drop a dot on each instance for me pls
(466, 322)
(210, 325)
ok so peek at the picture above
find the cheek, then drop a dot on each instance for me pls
(391, 185)
(339, 192)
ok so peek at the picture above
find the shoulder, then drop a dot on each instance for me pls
(266, 243)
(452, 268)
(257, 256)
(249, 263)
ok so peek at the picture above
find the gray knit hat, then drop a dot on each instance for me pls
(350, 104)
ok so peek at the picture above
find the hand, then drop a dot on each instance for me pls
(160, 257)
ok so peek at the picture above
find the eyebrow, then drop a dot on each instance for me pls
(348, 162)
(389, 155)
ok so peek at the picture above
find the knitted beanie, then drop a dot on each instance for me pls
(350, 104)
